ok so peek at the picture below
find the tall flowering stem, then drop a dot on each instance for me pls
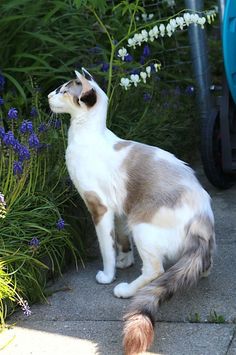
(112, 52)
(147, 32)
(174, 23)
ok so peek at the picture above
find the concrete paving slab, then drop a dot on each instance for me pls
(104, 338)
(84, 299)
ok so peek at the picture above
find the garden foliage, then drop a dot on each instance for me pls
(41, 43)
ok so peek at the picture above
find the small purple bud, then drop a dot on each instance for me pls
(42, 127)
(33, 112)
(60, 224)
(2, 82)
(147, 96)
(128, 58)
(146, 51)
(2, 132)
(34, 243)
(12, 113)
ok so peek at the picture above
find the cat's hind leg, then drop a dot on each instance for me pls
(152, 263)
(125, 257)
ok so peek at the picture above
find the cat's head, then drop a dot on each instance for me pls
(77, 96)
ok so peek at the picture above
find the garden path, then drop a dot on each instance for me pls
(84, 318)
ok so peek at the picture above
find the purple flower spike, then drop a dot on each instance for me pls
(9, 138)
(33, 141)
(12, 113)
(17, 168)
(60, 224)
(105, 67)
(25, 307)
(26, 126)
(23, 153)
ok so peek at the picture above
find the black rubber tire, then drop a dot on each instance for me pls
(211, 152)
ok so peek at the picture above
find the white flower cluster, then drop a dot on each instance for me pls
(179, 22)
(176, 23)
(145, 17)
(137, 78)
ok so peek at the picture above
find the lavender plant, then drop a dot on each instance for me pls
(34, 238)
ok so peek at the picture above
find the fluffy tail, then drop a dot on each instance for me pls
(196, 259)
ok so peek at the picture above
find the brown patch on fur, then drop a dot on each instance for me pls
(151, 184)
(121, 144)
(95, 206)
(138, 333)
(89, 98)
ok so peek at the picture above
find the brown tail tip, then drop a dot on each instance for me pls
(138, 333)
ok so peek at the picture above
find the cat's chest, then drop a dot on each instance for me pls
(89, 166)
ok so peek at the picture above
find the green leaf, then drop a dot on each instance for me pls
(16, 84)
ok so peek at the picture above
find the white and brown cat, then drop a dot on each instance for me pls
(139, 192)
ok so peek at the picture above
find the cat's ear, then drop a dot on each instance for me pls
(78, 74)
(86, 74)
(88, 94)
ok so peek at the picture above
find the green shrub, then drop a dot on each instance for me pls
(35, 190)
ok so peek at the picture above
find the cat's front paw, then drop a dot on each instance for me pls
(103, 278)
(123, 290)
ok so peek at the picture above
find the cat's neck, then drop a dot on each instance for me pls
(92, 122)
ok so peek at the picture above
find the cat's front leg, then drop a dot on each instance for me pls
(104, 230)
(103, 219)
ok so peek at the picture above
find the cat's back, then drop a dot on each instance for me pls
(145, 161)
